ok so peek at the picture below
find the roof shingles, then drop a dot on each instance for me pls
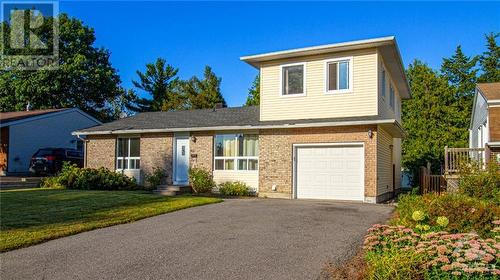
(204, 118)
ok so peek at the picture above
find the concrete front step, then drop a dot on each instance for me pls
(172, 190)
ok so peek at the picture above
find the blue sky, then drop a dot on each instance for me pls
(190, 35)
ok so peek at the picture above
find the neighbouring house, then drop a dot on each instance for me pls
(328, 127)
(23, 133)
(484, 130)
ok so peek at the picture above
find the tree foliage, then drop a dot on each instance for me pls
(160, 81)
(85, 78)
(490, 60)
(203, 93)
(439, 112)
(253, 97)
(431, 118)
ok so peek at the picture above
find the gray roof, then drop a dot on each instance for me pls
(206, 118)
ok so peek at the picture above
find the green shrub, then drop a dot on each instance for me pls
(51, 183)
(483, 184)
(201, 180)
(72, 177)
(234, 189)
(464, 213)
(155, 178)
(394, 264)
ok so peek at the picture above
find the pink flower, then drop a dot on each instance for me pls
(442, 249)
(496, 222)
(496, 271)
(470, 256)
(446, 267)
(488, 258)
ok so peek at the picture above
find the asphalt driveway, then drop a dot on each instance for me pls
(236, 239)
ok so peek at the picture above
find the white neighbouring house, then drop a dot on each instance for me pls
(484, 130)
(23, 133)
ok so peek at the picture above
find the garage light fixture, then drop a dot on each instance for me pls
(370, 133)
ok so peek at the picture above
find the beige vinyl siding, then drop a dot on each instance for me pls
(384, 163)
(362, 101)
(384, 107)
(251, 178)
(397, 161)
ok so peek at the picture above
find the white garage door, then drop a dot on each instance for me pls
(334, 172)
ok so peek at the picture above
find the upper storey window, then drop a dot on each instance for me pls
(293, 79)
(339, 75)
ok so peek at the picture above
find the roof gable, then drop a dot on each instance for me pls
(490, 91)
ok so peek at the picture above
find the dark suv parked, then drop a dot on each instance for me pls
(50, 160)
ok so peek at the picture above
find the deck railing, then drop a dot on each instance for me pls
(456, 157)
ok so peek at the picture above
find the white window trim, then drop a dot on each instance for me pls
(304, 80)
(128, 158)
(234, 158)
(325, 80)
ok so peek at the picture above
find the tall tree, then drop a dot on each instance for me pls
(490, 60)
(85, 78)
(461, 72)
(431, 118)
(253, 97)
(160, 81)
(204, 93)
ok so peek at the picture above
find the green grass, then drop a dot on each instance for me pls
(32, 216)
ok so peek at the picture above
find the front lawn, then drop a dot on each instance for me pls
(33, 216)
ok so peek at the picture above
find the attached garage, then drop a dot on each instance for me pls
(329, 171)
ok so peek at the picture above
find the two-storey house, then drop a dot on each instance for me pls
(328, 127)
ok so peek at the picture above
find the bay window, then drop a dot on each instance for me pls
(128, 153)
(236, 152)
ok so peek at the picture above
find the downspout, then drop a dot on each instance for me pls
(84, 149)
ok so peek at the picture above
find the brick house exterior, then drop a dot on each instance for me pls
(330, 152)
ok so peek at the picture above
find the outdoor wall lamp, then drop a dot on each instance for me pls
(193, 138)
(370, 133)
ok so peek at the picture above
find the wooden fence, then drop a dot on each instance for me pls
(431, 183)
(456, 157)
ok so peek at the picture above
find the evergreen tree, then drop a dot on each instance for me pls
(204, 93)
(431, 118)
(490, 60)
(460, 70)
(461, 73)
(253, 97)
(160, 81)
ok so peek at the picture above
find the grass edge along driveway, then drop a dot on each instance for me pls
(32, 216)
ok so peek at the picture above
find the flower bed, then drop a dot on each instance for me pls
(438, 255)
